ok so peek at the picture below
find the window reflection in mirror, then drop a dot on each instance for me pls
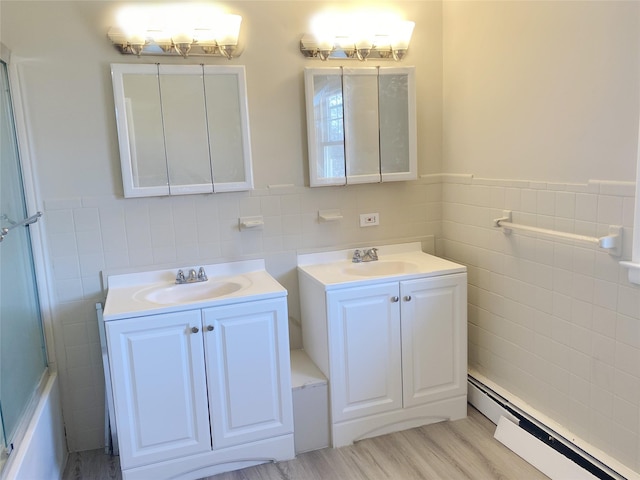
(328, 126)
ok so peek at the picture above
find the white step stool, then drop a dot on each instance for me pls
(310, 404)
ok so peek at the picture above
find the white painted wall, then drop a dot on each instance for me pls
(541, 90)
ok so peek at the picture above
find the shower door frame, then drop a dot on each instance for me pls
(38, 242)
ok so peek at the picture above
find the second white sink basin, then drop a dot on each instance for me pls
(395, 262)
(378, 268)
(168, 294)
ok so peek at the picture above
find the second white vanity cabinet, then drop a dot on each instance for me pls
(199, 391)
(393, 349)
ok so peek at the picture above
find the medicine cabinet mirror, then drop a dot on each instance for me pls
(361, 125)
(182, 129)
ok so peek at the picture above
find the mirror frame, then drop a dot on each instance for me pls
(131, 190)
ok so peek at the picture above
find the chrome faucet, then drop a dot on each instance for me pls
(193, 277)
(370, 255)
(365, 255)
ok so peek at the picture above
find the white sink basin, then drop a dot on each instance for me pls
(168, 294)
(395, 262)
(145, 293)
(380, 268)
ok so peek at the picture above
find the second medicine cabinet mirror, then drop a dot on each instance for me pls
(182, 129)
(361, 125)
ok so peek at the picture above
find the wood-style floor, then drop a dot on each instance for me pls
(464, 449)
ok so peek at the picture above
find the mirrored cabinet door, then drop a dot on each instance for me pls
(397, 104)
(140, 130)
(182, 129)
(361, 125)
(228, 125)
(361, 116)
(325, 126)
(185, 129)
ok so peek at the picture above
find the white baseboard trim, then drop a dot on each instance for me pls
(553, 464)
(495, 405)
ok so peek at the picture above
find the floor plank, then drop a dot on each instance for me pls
(464, 449)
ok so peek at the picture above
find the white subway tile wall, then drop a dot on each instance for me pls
(557, 324)
(87, 236)
(553, 322)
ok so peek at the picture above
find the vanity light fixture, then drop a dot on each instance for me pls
(357, 36)
(176, 30)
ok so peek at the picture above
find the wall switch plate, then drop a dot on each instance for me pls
(369, 219)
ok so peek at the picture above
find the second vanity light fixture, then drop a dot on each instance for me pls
(357, 36)
(180, 29)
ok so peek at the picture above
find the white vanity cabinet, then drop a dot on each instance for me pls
(394, 351)
(202, 391)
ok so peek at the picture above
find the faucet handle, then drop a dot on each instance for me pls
(357, 256)
(202, 276)
(180, 277)
(374, 253)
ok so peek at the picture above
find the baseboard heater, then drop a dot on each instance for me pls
(513, 421)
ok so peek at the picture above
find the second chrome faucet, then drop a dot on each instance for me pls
(193, 277)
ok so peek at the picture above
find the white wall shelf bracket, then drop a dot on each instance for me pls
(329, 215)
(253, 223)
(611, 242)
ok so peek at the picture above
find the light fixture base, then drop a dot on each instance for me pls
(151, 48)
(310, 48)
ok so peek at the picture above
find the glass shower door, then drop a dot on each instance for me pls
(22, 351)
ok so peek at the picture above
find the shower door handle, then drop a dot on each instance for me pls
(27, 221)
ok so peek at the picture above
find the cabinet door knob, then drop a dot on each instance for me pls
(194, 329)
(407, 298)
(394, 299)
(209, 328)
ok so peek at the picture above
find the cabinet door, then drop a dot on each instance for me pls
(228, 126)
(398, 138)
(249, 373)
(185, 129)
(434, 338)
(361, 130)
(325, 126)
(159, 389)
(364, 358)
(140, 132)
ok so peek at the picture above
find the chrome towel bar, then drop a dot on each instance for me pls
(611, 242)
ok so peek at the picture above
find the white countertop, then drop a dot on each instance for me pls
(405, 261)
(125, 294)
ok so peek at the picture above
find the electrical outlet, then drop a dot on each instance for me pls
(369, 219)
